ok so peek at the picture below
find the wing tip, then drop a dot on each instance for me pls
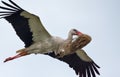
(9, 9)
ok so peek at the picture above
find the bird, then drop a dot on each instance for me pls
(37, 40)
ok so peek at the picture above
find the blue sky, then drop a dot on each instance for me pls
(98, 18)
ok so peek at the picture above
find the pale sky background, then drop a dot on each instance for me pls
(98, 18)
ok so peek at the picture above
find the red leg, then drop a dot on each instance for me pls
(20, 54)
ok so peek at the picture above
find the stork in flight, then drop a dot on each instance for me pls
(37, 40)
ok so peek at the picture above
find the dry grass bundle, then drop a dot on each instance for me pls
(80, 42)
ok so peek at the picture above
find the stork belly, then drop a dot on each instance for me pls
(39, 47)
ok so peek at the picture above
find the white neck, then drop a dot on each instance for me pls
(70, 36)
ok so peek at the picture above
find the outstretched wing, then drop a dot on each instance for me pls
(27, 26)
(83, 65)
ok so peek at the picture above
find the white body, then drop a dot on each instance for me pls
(46, 46)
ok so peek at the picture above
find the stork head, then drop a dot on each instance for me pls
(75, 32)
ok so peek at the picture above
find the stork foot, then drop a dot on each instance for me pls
(60, 54)
(20, 54)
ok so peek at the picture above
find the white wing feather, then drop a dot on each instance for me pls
(82, 55)
(36, 27)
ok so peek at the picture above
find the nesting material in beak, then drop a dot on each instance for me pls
(80, 42)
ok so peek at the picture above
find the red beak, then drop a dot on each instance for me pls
(79, 33)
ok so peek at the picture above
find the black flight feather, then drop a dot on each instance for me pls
(19, 23)
(82, 68)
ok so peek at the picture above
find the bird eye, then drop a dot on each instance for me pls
(75, 30)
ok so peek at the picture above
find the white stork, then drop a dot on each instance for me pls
(37, 40)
